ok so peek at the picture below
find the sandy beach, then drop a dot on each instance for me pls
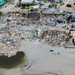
(47, 62)
(44, 62)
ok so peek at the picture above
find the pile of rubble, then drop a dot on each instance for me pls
(9, 41)
(55, 37)
(14, 27)
(9, 37)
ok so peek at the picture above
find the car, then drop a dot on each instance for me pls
(51, 5)
(68, 5)
(18, 4)
(12, 2)
(73, 3)
(41, 4)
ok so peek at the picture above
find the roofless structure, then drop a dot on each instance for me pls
(26, 3)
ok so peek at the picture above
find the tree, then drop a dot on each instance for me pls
(1, 14)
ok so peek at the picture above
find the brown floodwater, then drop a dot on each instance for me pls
(19, 60)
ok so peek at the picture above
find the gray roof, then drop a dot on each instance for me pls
(51, 11)
(47, 11)
(58, 12)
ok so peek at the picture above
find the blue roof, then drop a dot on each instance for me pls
(51, 11)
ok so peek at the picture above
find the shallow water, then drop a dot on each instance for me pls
(18, 60)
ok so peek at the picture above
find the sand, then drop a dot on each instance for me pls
(42, 61)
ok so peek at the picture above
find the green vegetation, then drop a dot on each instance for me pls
(5, 1)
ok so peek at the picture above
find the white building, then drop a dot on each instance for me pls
(26, 3)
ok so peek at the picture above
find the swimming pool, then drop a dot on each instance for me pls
(1, 3)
